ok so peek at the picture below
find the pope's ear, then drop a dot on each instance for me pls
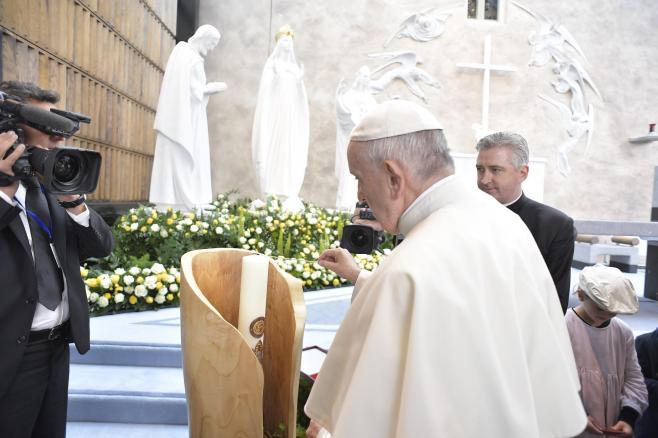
(394, 178)
(524, 172)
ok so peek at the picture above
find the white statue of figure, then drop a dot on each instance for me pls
(279, 143)
(408, 71)
(578, 124)
(421, 26)
(352, 103)
(181, 165)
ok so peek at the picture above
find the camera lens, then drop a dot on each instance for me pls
(67, 168)
(359, 238)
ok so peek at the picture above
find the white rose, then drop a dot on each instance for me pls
(103, 302)
(140, 290)
(106, 283)
(118, 298)
(164, 233)
(242, 240)
(194, 228)
(306, 274)
(315, 275)
(157, 268)
(159, 299)
(162, 291)
(268, 251)
(173, 288)
(119, 271)
(135, 270)
(146, 271)
(93, 297)
(134, 226)
(128, 280)
(150, 281)
(155, 228)
(219, 230)
(128, 289)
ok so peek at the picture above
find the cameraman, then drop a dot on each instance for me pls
(43, 304)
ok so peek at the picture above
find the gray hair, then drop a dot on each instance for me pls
(515, 142)
(422, 152)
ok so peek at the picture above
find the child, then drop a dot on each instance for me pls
(612, 385)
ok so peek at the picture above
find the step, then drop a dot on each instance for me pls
(124, 430)
(127, 394)
(130, 354)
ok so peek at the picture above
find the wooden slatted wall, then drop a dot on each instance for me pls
(106, 58)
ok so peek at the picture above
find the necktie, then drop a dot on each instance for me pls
(49, 277)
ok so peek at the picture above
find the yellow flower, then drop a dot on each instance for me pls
(177, 278)
(143, 229)
(170, 297)
(91, 282)
(132, 299)
(162, 276)
(117, 288)
(139, 280)
(154, 215)
(133, 218)
(309, 282)
(149, 220)
(84, 272)
(107, 295)
(174, 216)
(115, 278)
(336, 282)
(149, 300)
(158, 285)
(170, 221)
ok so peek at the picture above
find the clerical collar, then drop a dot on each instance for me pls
(443, 192)
(514, 201)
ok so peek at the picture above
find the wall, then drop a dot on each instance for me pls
(106, 59)
(614, 180)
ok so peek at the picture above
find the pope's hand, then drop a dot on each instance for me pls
(623, 427)
(341, 262)
(313, 430)
(215, 87)
(593, 427)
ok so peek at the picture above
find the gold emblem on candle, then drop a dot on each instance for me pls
(257, 327)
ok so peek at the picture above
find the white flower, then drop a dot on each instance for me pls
(179, 227)
(135, 270)
(155, 228)
(133, 227)
(187, 221)
(162, 291)
(118, 298)
(119, 271)
(103, 302)
(164, 233)
(251, 241)
(87, 292)
(261, 244)
(312, 220)
(173, 287)
(93, 297)
(128, 280)
(242, 240)
(159, 299)
(268, 251)
(269, 219)
(315, 255)
(140, 290)
(247, 233)
(299, 267)
(194, 228)
(128, 289)
(315, 275)
(146, 271)
(105, 281)
(170, 278)
(150, 281)
(219, 230)
(204, 225)
(245, 246)
(157, 268)
(306, 274)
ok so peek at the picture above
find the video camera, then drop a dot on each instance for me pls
(65, 170)
(361, 239)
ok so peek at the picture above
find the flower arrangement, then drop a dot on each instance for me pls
(143, 272)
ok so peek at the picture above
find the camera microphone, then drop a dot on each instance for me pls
(40, 118)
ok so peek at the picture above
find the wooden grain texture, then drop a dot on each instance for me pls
(229, 393)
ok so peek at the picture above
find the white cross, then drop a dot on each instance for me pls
(483, 129)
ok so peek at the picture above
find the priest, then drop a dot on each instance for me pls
(459, 332)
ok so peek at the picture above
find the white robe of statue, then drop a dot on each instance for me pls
(279, 143)
(351, 105)
(181, 165)
(458, 333)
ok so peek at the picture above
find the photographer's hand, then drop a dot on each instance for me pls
(341, 262)
(357, 220)
(7, 139)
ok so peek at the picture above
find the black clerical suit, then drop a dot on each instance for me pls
(18, 301)
(647, 355)
(555, 236)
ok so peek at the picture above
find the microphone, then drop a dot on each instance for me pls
(40, 119)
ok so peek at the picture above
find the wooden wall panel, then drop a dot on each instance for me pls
(106, 59)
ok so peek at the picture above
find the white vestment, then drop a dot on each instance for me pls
(458, 333)
(181, 165)
(351, 105)
(279, 143)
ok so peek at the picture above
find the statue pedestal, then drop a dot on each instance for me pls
(229, 393)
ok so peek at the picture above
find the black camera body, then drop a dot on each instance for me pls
(64, 170)
(361, 239)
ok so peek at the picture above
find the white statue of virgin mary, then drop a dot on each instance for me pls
(181, 164)
(279, 142)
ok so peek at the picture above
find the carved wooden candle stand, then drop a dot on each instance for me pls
(229, 393)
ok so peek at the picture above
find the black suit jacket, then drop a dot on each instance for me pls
(555, 235)
(18, 289)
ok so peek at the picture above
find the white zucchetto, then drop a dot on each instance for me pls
(609, 289)
(394, 117)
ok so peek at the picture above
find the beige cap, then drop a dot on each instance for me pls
(394, 117)
(609, 289)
